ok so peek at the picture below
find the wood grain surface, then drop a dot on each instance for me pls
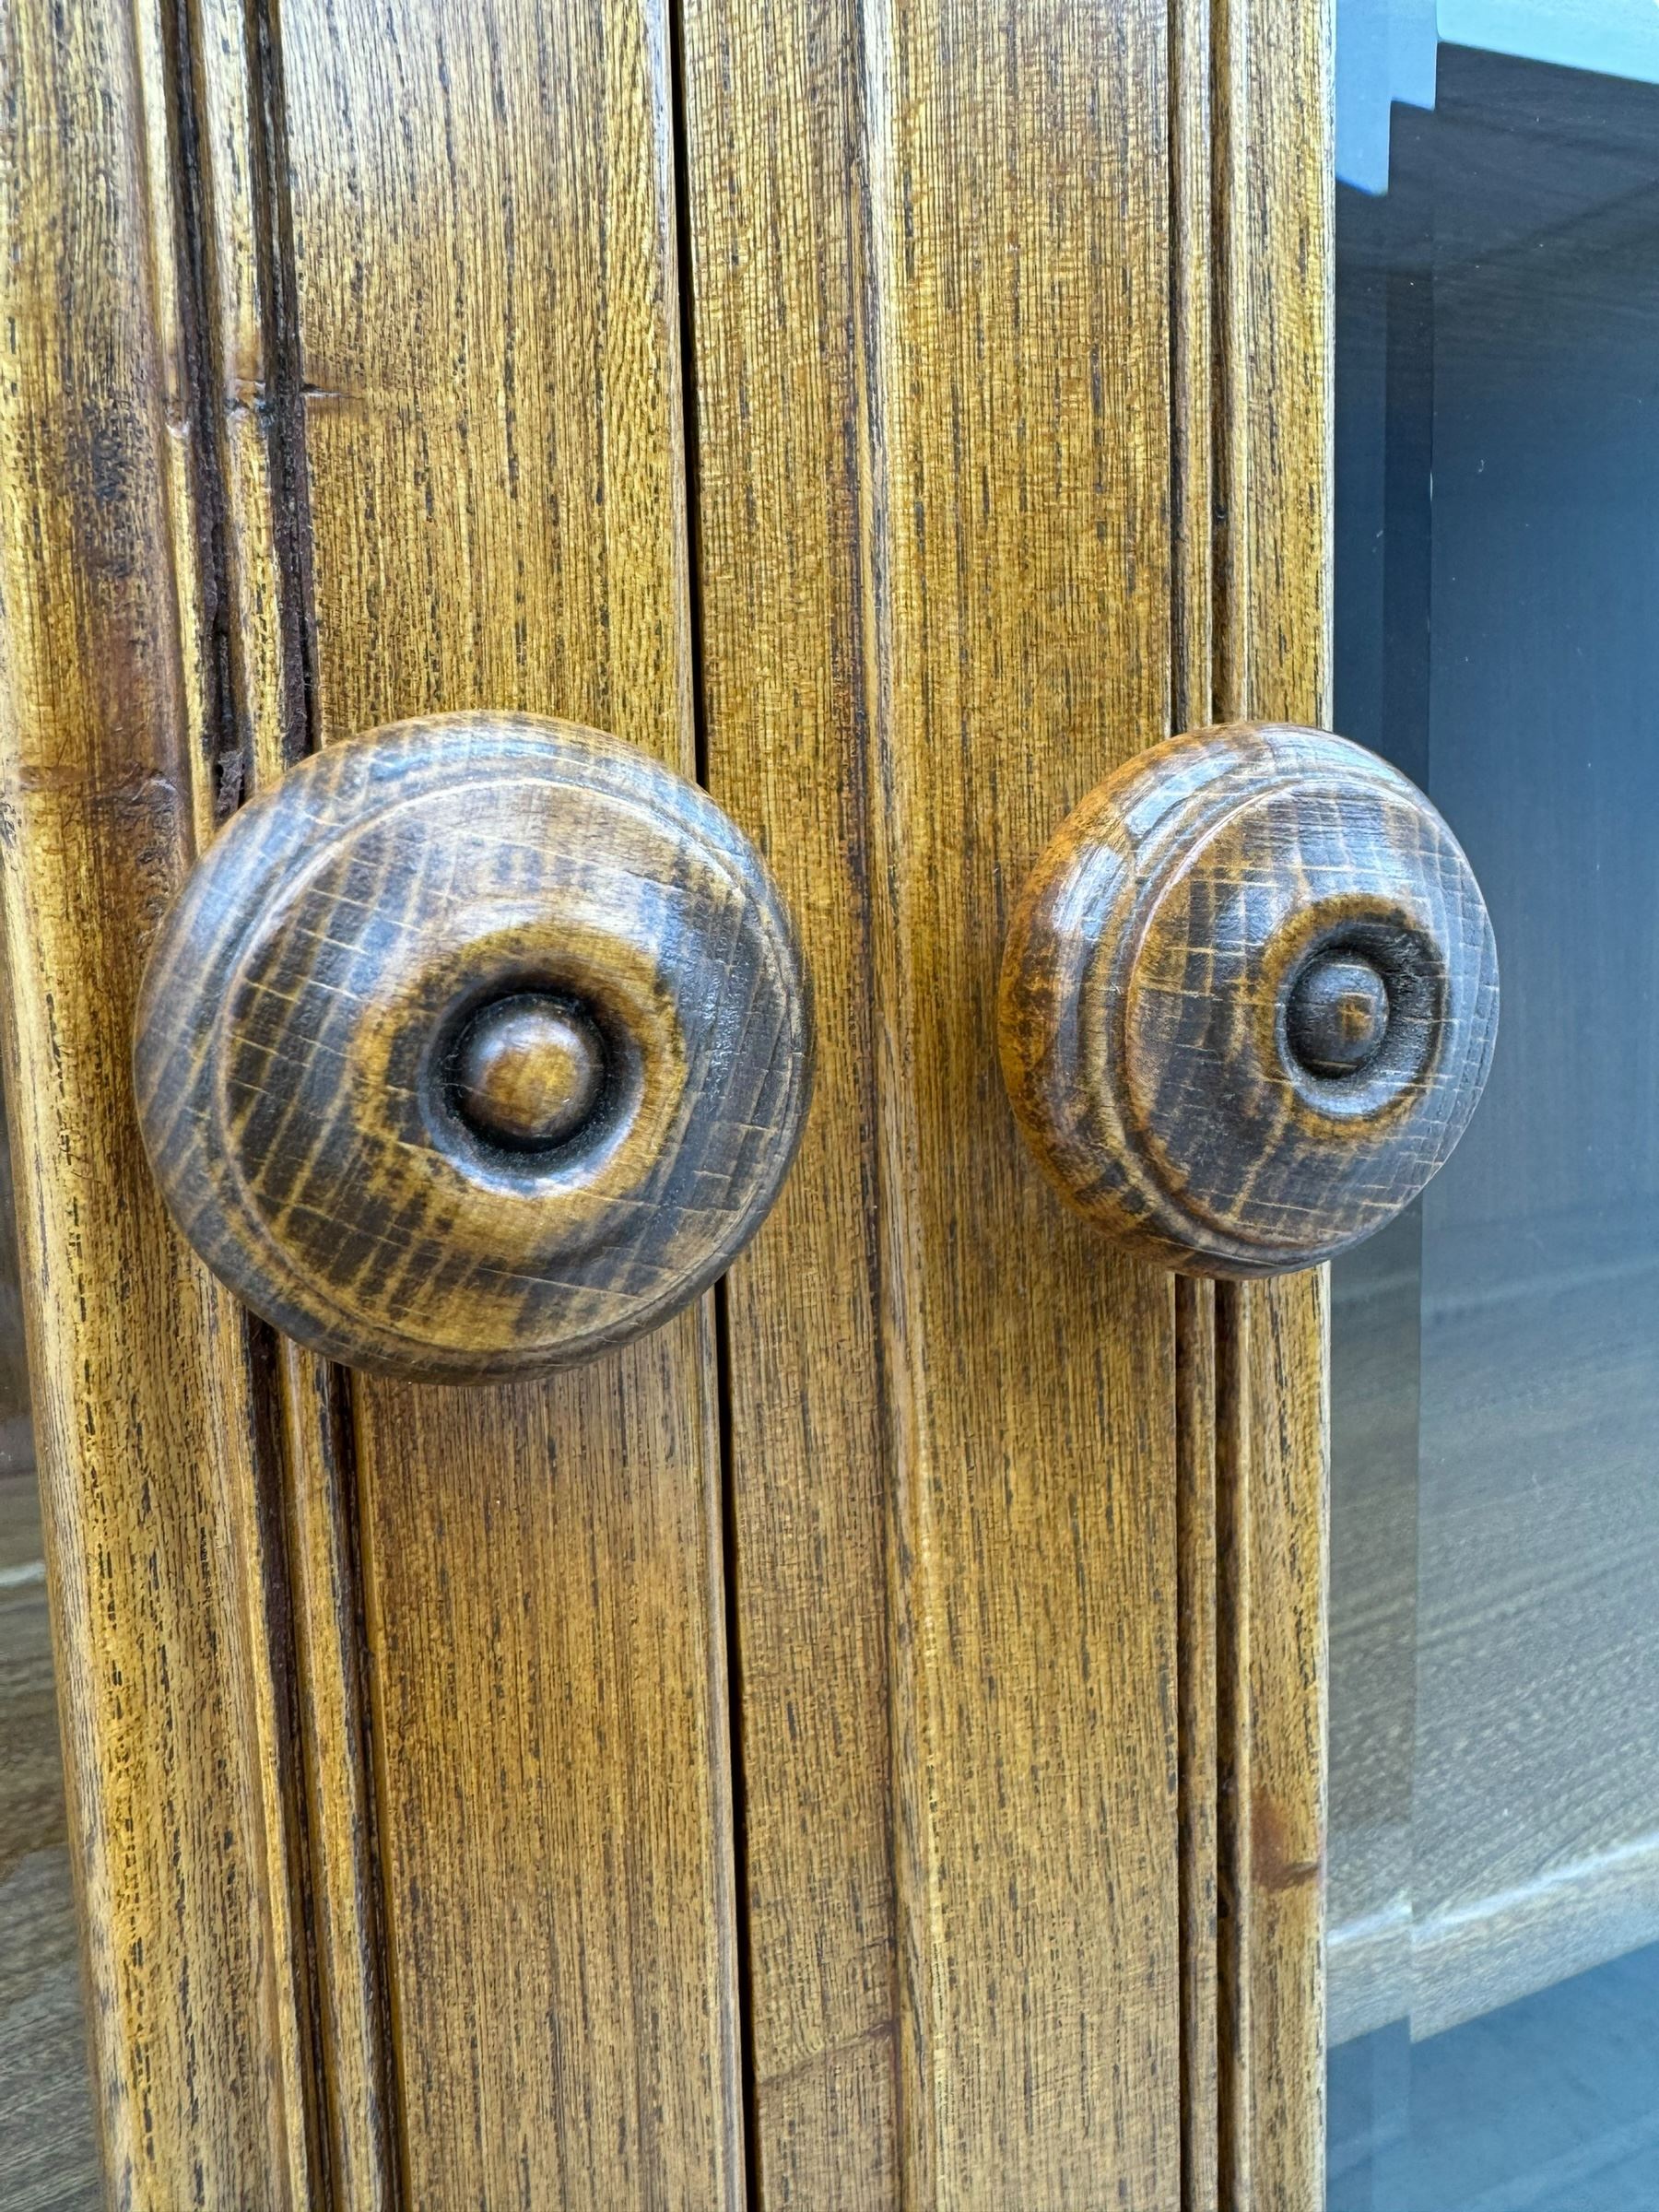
(459, 1917)
(932, 368)
(771, 118)
(218, 184)
(327, 1134)
(198, 669)
(157, 1491)
(1249, 1000)
(1197, 1518)
(1274, 164)
(484, 294)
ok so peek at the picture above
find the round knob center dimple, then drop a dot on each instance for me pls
(1338, 1015)
(528, 1072)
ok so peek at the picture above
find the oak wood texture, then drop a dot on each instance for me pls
(929, 282)
(1197, 1527)
(947, 377)
(545, 2035)
(1251, 228)
(215, 146)
(350, 1135)
(1270, 1726)
(1273, 153)
(772, 123)
(156, 1494)
(485, 323)
(1249, 1000)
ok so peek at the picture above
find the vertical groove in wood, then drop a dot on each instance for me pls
(933, 379)
(731, 1390)
(1235, 1592)
(166, 1581)
(250, 464)
(1273, 185)
(1194, 417)
(1230, 342)
(1018, 349)
(1196, 1532)
(336, 1736)
(485, 294)
(204, 547)
(771, 128)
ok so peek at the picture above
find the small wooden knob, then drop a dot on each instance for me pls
(473, 1046)
(1249, 1000)
(528, 1071)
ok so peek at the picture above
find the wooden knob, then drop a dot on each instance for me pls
(473, 1046)
(1249, 1000)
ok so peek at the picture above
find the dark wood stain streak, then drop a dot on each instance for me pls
(253, 446)
(1275, 1866)
(313, 997)
(1181, 1030)
(348, 1914)
(160, 1528)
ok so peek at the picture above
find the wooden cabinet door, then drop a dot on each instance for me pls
(860, 1744)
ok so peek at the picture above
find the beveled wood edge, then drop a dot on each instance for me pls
(1273, 209)
(1196, 1523)
(179, 1732)
(221, 186)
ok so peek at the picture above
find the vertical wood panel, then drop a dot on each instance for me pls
(1273, 278)
(1191, 641)
(226, 170)
(1196, 1532)
(332, 1693)
(485, 289)
(162, 1517)
(772, 115)
(1019, 350)
(934, 382)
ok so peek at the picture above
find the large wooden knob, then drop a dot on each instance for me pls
(473, 1046)
(1249, 1000)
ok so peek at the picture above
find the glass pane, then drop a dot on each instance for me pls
(48, 2155)
(1494, 1950)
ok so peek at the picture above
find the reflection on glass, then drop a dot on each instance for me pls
(48, 2158)
(1494, 1956)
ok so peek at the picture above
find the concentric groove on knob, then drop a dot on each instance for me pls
(1249, 999)
(473, 1046)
